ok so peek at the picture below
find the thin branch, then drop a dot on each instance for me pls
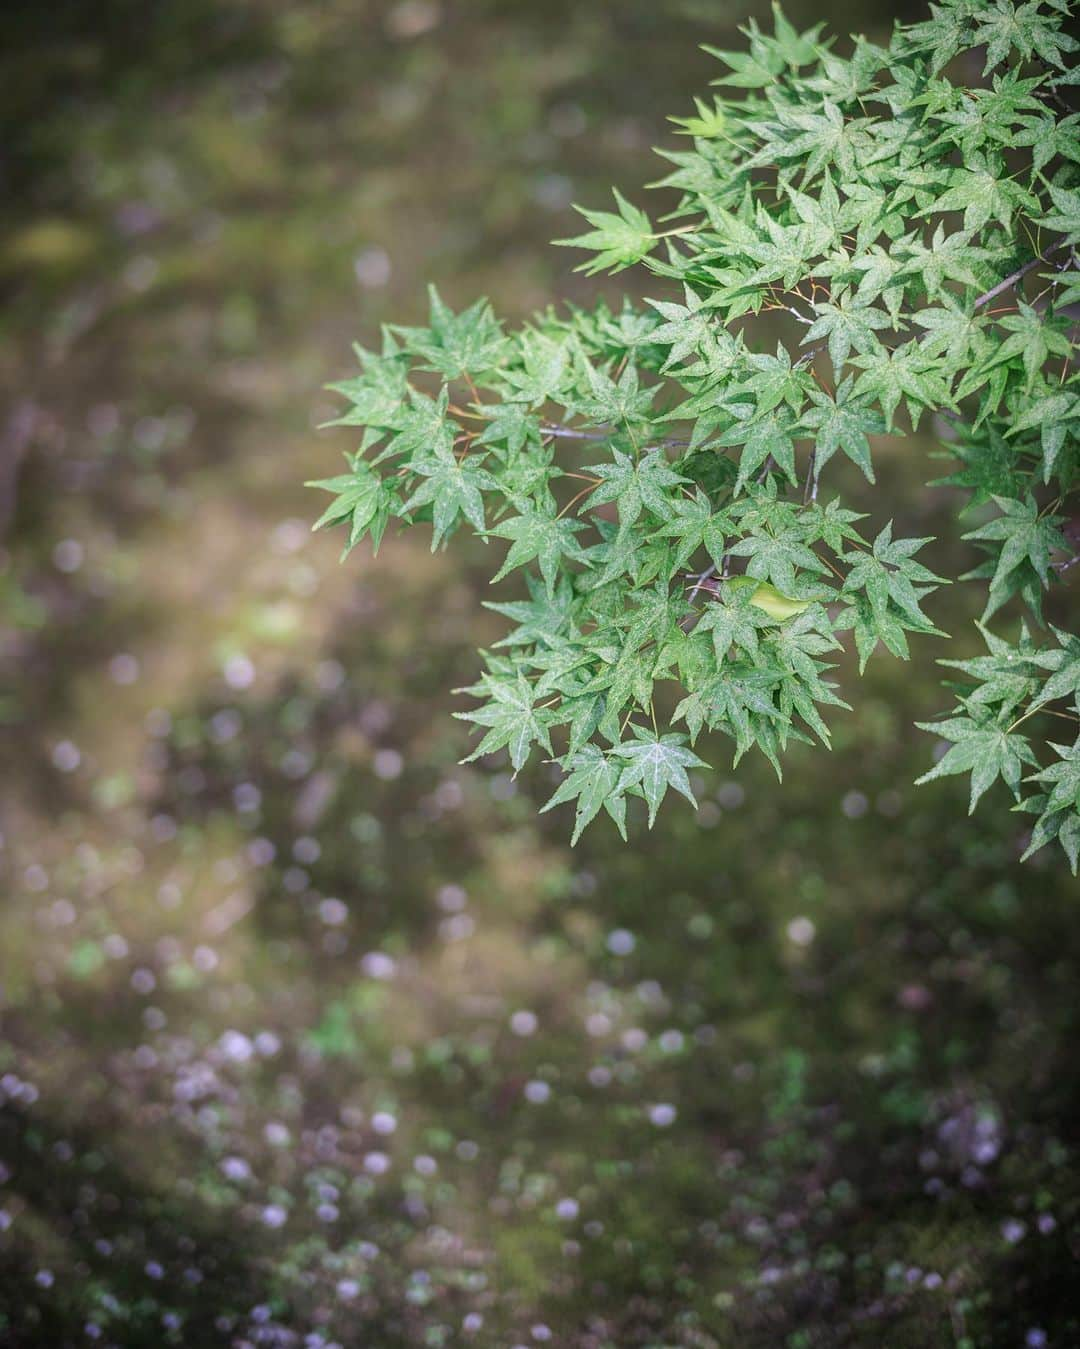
(668, 443)
(811, 485)
(600, 433)
(807, 358)
(1018, 275)
(573, 433)
(1049, 92)
(705, 575)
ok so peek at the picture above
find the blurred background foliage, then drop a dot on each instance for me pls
(312, 1036)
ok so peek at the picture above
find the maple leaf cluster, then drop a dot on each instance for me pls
(660, 479)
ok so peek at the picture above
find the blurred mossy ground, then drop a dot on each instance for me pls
(312, 1035)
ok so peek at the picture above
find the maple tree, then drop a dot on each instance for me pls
(662, 481)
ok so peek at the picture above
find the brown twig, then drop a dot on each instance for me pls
(1016, 276)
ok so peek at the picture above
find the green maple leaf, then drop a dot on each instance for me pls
(628, 331)
(456, 344)
(755, 69)
(526, 476)
(593, 782)
(695, 524)
(1067, 282)
(618, 241)
(544, 370)
(738, 701)
(822, 138)
(1056, 414)
(361, 499)
(709, 122)
(654, 613)
(654, 763)
(1048, 138)
(778, 557)
(619, 401)
(847, 324)
(513, 721)
(765, 437)
(1027, 536)
(797, 49)
(452, 487)
(1064, 681)
(983, 192)
(907, 373)
(770, 382)
(1007, 677)
(942, 35)
(687, 327)
(947, 258)
(511, 425)
(562, 664)
(422, 426)
(842, 423)
(989, 466)
(617, 554)
(984, 749)
(688, 656)
(627, 679)
(1063, 825)
(785, 250)
(1033, 337)
(796, 646)
(732, 622)
(824, 210)
(990, 116)
(378, 395)
(1028, 29)
(1065, 218)
(634, 484)
(539, 533)
(581, 714)
(546, 616)
(833, 524)
(890, 575)
(1063, 781)
(882, 274)
(952, 332)
(873, 624)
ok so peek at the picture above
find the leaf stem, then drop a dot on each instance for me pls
(682, 229)
(574, 500)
